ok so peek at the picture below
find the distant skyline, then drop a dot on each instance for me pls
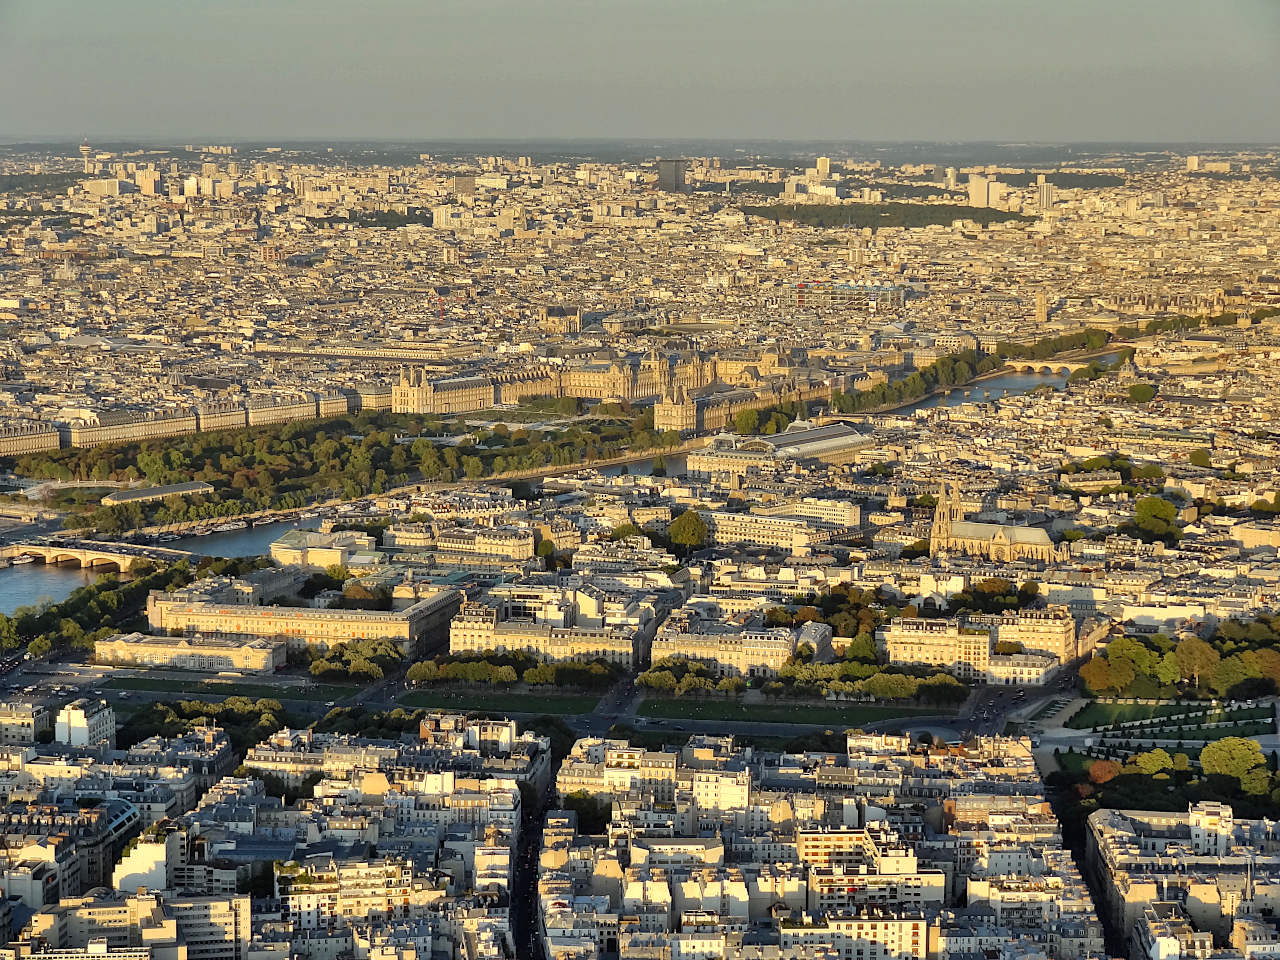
(872, 70)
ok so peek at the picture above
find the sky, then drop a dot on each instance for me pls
(936, 70)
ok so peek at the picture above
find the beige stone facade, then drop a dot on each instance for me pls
(963, 650)
(204, 654)
(300, 627)
(477, 629)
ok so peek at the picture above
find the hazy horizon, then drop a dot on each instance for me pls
(880, 71)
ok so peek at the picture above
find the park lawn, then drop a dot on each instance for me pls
(1097, 714)
(312, 691)
(806, 713)
(502, 701)
(513, 416)
(1249, 728)
(315, 691)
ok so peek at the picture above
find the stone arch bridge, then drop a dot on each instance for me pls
(1061, 367)
(92, 553)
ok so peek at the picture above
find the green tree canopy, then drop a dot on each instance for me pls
(1233, 671)
(1153, 761)
(1196, 659)
(1231, 757)
(1167, 671)
(1097, 675)
(746, 422)
(1154, 508)
(688, 530)
(1133, 650)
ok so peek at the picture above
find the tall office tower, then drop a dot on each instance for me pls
(1193, 164)
(1042, 310)
(952, 179)
(978, 191)
(86, 152)
(148, 181)
(824, 168)
(1045, 195)
(672, 175)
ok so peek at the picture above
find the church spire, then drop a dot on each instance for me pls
(943, 514)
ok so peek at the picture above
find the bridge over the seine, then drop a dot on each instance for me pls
(92, 553)
(1061, 367)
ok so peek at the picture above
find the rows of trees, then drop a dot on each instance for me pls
(1239, 660)
(768, 421)
(1232, 770)
(289, 465)
(680, 677)
(506, 669)
(359, 661)
(959, 368)
(946, 371)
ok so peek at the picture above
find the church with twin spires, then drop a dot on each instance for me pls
(997, 542)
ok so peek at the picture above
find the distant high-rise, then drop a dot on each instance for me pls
(1193, 164)
(672, 175)
(824, 168)
(978, 191)
(1045, 196)
(952, 179)
(1042, 310)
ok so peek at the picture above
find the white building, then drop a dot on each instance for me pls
(86, 723)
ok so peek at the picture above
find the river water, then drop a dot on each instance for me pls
(643, 468)
(993, 388)
(35, 583)
(250, 542)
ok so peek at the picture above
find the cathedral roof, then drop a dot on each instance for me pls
(969, 530)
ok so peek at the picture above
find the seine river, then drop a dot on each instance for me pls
(33, 583)
(993, 388)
